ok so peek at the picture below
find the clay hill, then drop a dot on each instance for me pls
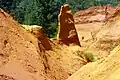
(26, 53)
(88, 50)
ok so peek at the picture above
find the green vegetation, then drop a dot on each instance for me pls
(45, 12)
(90, 57)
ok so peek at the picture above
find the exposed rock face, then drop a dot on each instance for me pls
(101, 33)
(67, 32)
(96, 14)
(39, 33)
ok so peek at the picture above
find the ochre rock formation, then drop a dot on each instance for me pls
(67, 32)
(38, 32)
(96, 14)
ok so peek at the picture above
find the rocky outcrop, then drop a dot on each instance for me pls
(38, 32)
(67, 32)
(96, 14)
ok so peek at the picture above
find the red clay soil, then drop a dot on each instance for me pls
(21, 58)
(96, 14)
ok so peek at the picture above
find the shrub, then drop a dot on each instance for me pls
(90, 57)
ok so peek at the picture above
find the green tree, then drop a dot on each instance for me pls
(10, 6)
(41, 12)
(81, 4)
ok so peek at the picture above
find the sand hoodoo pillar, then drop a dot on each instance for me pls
(67, 31)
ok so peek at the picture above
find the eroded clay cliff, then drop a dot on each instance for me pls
(96, 14)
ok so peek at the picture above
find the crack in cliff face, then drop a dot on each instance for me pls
(43, 55)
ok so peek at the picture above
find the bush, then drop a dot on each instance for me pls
(90, 57)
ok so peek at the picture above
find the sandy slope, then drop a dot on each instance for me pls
(104, 69)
